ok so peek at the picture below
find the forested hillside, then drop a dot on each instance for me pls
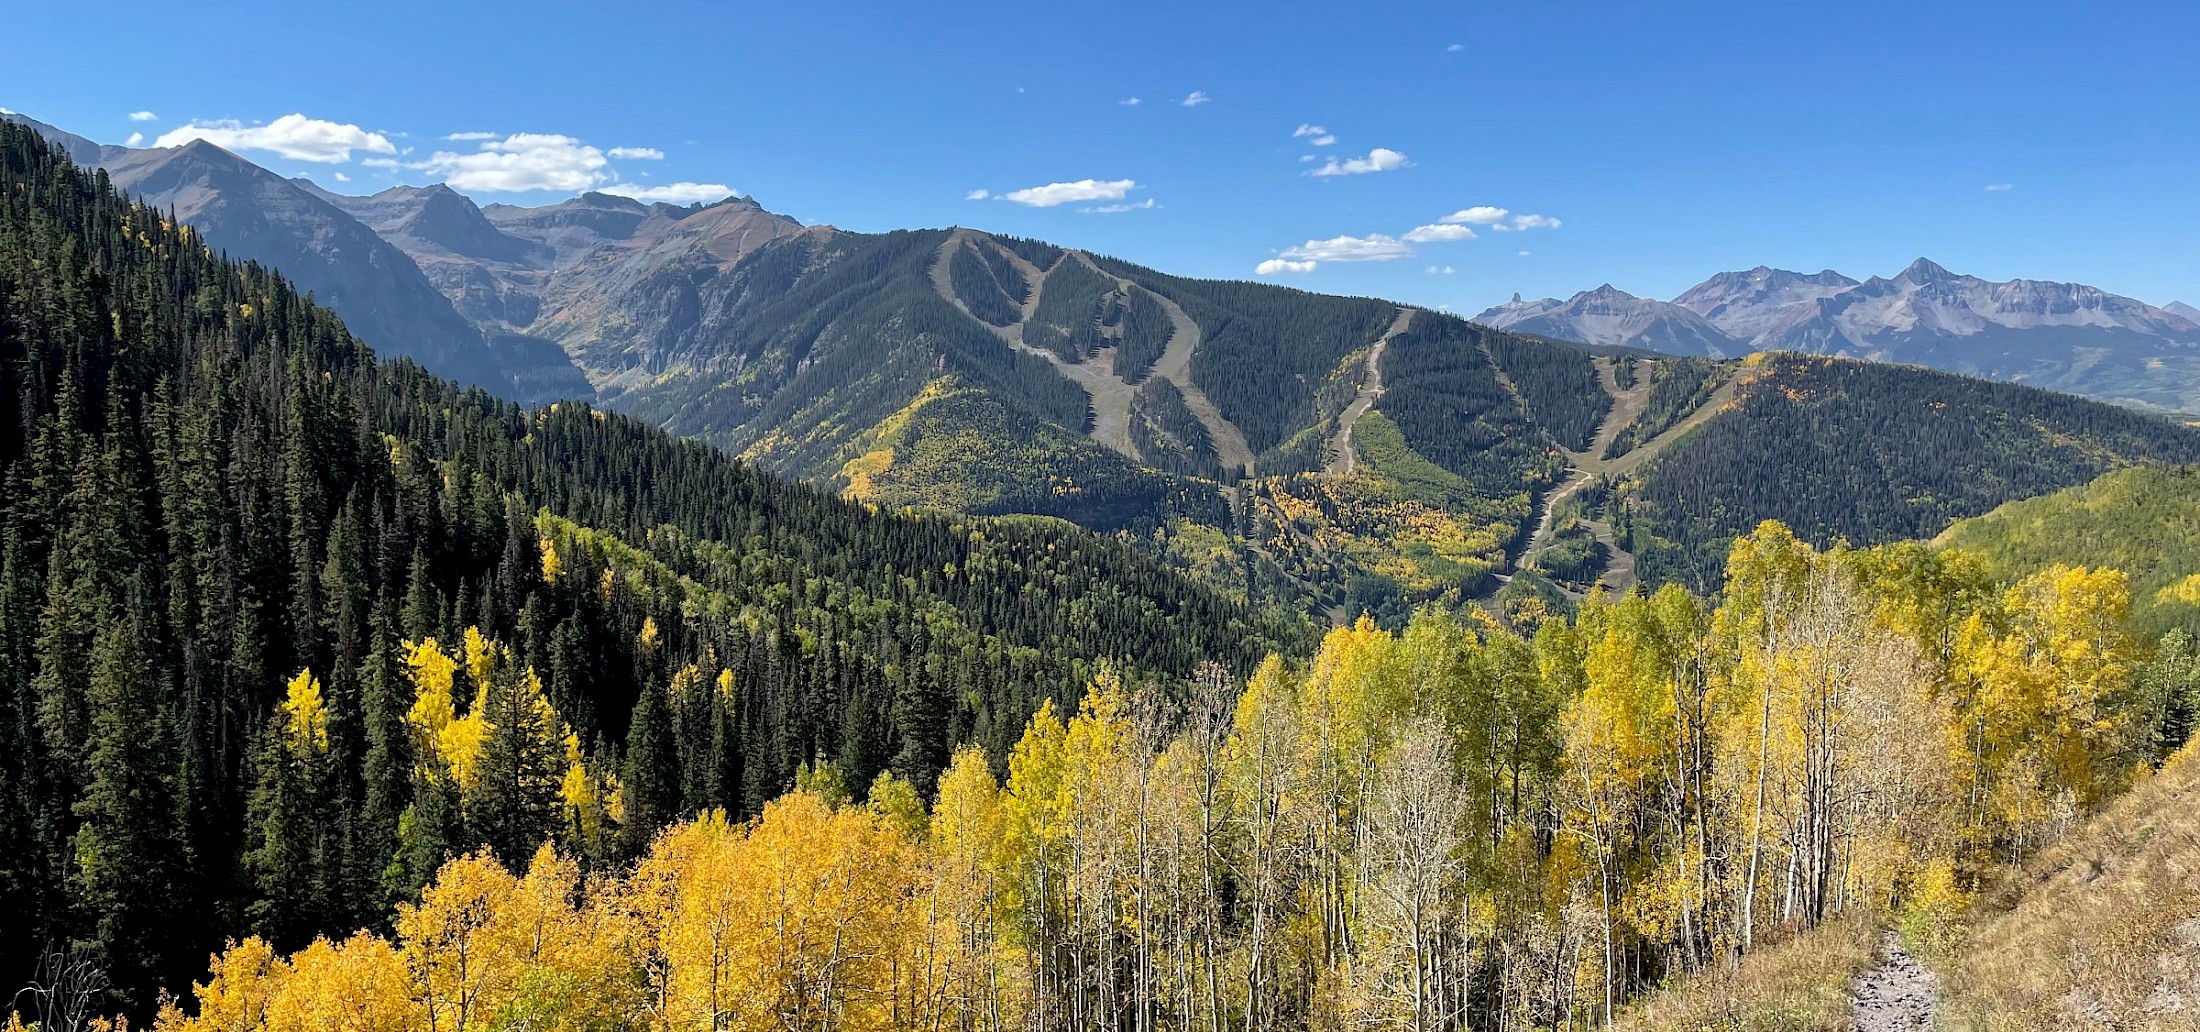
(1449, 828)
(283, 628)
(1868, 453)
(2144, 521)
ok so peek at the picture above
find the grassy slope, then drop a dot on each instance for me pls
(1799, 985)
(2102, 930)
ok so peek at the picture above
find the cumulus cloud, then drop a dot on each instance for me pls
(1455, 48)
(977, 195)
(1999, 187)
(292, 136)
(1442, 232)
(143, 116)
(342, 178)
(1440, 270)
(671, 193)
(1069, 193)
(637, 153)
(1195, 98)
(1523, 254)
(522, 162)
(1375, 247)
(1130, 102)
(1381, 159)
(1116, 209)
(1480, 215)
(1280, 266)
(470, 137)
(134, 140)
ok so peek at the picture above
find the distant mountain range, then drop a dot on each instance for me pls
(1280, 444)
(2065, 336)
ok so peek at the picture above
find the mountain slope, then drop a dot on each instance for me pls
(224, 519)
(251, 213)
(2143, 521)
(2063, 336)
(1841, 449)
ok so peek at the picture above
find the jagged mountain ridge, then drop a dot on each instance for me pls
(252, 213)
(2065, 336)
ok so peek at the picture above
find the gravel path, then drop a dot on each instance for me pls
(1896, 996)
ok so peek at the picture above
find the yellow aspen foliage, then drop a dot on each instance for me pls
(553, 566)
(305, 716)
(359, 985)
(461, 970)
(2045, 684)
(243, 980)
(647, 639)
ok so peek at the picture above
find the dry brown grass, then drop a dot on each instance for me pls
(1798, 985)
(2101, 931)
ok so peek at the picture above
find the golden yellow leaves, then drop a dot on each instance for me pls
(803, 918)
(305, 717)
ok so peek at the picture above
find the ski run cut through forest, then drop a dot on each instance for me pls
(337, 695)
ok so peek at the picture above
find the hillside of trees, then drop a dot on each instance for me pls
(2144, 521)
(283, 628)
(1447, 828)
(1863, 452)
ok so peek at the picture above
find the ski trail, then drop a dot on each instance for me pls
(1175, 366)
(1111, 397)
(1342, 461)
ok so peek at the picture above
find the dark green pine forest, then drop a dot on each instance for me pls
(224, 517)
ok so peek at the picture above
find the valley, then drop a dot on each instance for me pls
(941, 628)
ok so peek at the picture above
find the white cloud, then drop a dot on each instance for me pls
(637, 153)
(1304, 158)
(1523, 254)
(134, 140)
(342, 178)
(521, 162)
(380, 163)
(143, 116)
(1525, 222)
(1381, 159)
(1440, 270)
(1279, 266)
(1999, 187)
(977, 195)
(1374, 247)
(293, 136)
(1455, 48)
(1067, 193)
(671, 193)
(1320, 137)
(469, 137)
(1130, 102)
(1195, 98)
(1116, 209)
(1440, 233)
(1480, 215)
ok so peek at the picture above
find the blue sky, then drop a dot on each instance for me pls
(1667, 141)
